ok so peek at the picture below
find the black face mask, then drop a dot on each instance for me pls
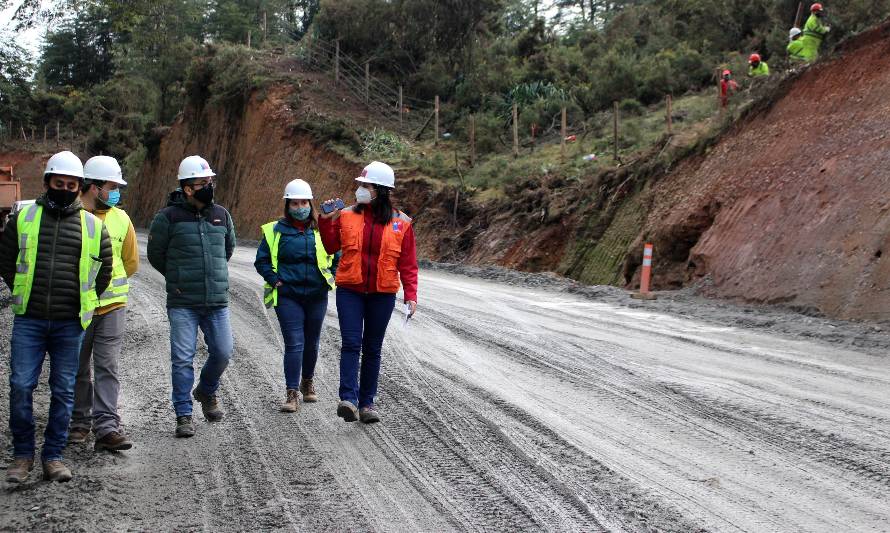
(61, 198)
(205, 194)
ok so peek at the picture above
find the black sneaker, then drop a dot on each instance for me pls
(369, 415)
(347, 411)
(209, 404)
(184, 427)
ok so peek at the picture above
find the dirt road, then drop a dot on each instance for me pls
(505, 408)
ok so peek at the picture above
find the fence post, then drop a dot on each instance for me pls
(669, 118)
(436, 121)
(562, 136)
(719, 95)
(472, 140)
(44, 133)
(58, 130)
(24, 135)
(367, 82)
(265, 28)
(615, 127)
(401, 106)
(337, 61)
(248, 37)
(515, 130)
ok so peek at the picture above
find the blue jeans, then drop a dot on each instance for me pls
(32, 339)
(301, 329)
(184, 323)
(363, 321)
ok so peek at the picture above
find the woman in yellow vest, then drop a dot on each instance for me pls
(298, 273)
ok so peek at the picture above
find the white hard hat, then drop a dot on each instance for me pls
(793, 32)
(298, 190)
(103, 168)
(64, 163)
(379, 174)
(195, 166)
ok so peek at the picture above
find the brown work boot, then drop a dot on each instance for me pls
(209, 404)
(56, 471)
(292, 403)
(113, 442)
(18, 469)
(78, 435)
(307, 388)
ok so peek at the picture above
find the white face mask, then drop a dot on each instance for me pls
(363, 195)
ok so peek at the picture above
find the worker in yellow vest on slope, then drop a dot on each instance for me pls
(814, 32)
(95, 400)
(57, 259)
(795, 46)
(757, 67)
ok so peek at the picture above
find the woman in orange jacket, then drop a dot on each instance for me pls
(378, 256)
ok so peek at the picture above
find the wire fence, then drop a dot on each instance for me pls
(399, 112)
(45, 137)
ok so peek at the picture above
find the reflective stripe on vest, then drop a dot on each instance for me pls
(28, 227)
(322, 258)
(352, 231)
(117, 222)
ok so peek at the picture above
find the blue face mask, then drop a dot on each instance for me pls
(113, 198)
(300, 213)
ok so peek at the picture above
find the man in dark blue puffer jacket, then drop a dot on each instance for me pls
(190, 242)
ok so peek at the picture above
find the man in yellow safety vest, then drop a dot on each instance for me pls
(95, 398)
(57, 259)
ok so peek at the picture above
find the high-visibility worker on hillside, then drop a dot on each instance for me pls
(795, 46)
(379, 256)
(96, 396)
(190, 242)
(814, 32)
(57, 260)
(727, 87)
(757, 67)
(299, 273)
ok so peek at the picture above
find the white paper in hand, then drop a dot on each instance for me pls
(407, 315)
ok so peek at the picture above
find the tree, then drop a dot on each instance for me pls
(79, 53)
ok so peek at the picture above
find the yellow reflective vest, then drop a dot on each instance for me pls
(28, 226)
(117, 222)
(324, 260)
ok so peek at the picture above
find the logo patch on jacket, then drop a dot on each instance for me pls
(395, 227)
(217, 221)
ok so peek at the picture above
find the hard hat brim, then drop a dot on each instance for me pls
(115, 179)
(201, 175)
(297, 197)
(63, 173)
(373, 182)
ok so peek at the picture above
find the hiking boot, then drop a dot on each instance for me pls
(292, 403)
(78, 435)
(307, 388)
(347, 411)
(113, 442)
(18, 469)
(209, 404)
(369, 415)
(56, 471)
(184, 427)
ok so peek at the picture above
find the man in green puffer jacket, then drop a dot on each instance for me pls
(190, 242)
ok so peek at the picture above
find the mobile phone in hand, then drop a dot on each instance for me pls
(329, 207)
